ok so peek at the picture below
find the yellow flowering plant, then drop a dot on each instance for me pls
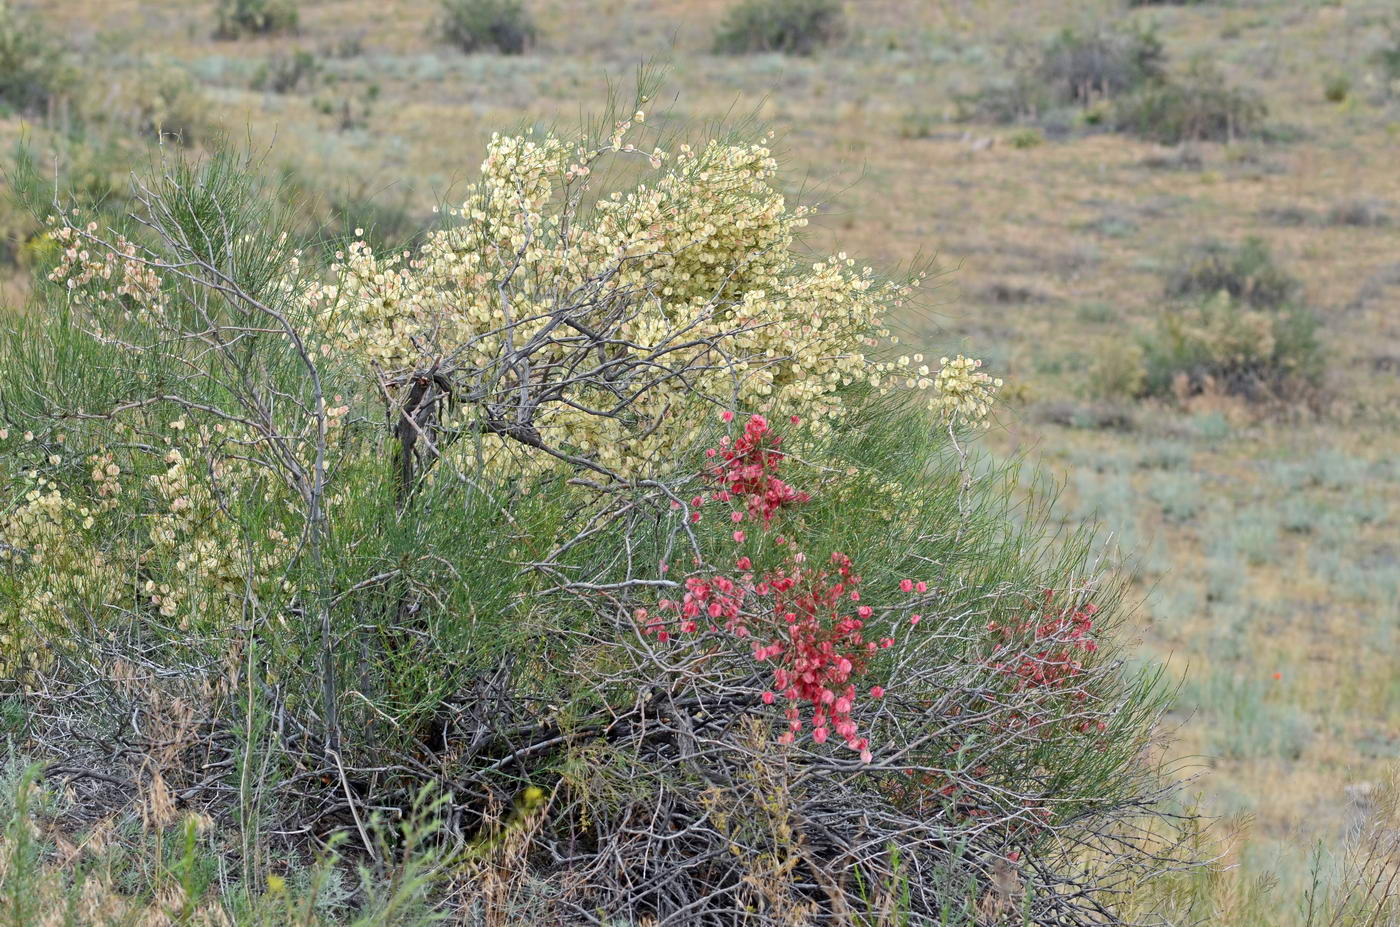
(576, 322)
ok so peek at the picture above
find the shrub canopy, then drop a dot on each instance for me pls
(603, 516)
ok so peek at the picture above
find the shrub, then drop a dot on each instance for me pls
(1230, 347)
(1387, 57)
(1336, 88)
(1119, 371)
(285, 73)
(561, 573)
(166, 103)
(1201, 106)
(1078, 68)
(1081, 67)
(1361, 212)
(1240, 331)
(475, 25)
(1248, 273)
(793, 27)
(236, 18)
(1026, 138)
(33, 70)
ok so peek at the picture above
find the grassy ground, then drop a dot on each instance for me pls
(1263, 540)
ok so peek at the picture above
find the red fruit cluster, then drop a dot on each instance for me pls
(747, 470)
(1055, 637)
(805, 621)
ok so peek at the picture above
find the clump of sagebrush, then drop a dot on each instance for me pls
(1387, 57)
(477, 25)
(1200, 105)
(33, 67)
(285, 73)
(1247, 272)
(1236, 325)
(794, 27)
(606, 505)
(236, 18)
(164, 102)
(1078, 67)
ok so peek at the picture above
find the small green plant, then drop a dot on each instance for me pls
(793, 27)
(1118, 371)
(237, 18)
(32, 66)
(1200, 106)
(478, 25)
(1336, 88)
(1026, 138)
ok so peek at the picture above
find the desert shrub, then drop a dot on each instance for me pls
(236, 18)
(1387, 57)
(164, 102)
(285, 73)
(1026, 138)
(33, 70)
(1227, 345)
(1236, 325)
(1336, 88)
(1076, 68)
(794, 27)
(1199, 106)
(1247, 272)
(1119, 371)
(595, 512)
(475, 25)
(1080, 67)
(1361, 212)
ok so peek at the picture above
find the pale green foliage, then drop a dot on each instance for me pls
(477, 25)
(794, 27)
(255, 17)
(33, 70)
(704, 244)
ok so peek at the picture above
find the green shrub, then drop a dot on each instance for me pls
(236, 18)
(1360, 212)
(33, 70)
(793, 27)
(476, 25)
(1200, 106)
(1226, 346)
(1387, 57)
(1336, 88)
(1026, 138)
(1248, 273)
(1119, 370)
(335, 611)
(1077, 68)
(166, 103)
(1081, 67)
(285, 73)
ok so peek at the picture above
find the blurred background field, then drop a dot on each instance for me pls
(1253, 493)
